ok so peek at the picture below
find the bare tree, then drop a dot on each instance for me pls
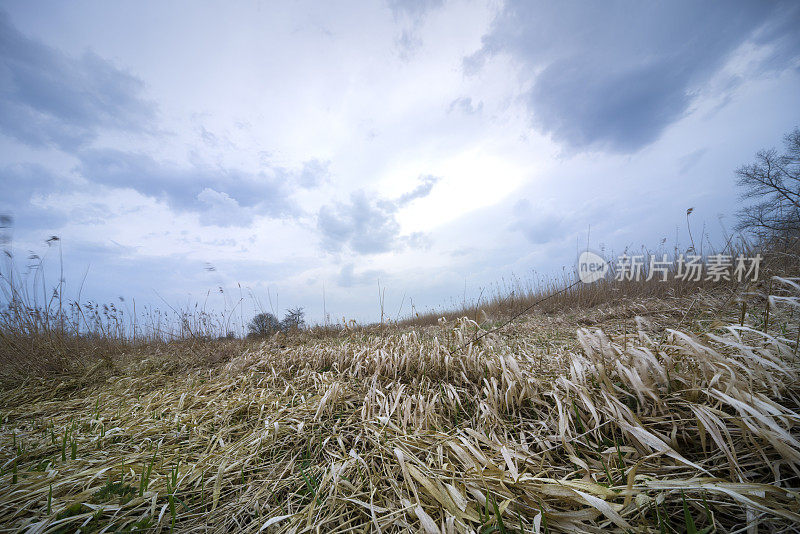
(263, 324)
(772, 182)
(293, 320)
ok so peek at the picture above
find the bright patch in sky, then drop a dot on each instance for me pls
(475, 178)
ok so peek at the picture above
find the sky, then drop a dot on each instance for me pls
(309, 153)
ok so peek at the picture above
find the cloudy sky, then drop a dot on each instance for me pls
(440, 148)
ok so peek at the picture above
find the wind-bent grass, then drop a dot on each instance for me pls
(657, 415)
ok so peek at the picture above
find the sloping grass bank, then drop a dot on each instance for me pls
(657, 415)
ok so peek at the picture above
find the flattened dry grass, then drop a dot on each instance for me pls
(653, 416)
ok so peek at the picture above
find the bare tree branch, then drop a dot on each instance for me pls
(773, 180)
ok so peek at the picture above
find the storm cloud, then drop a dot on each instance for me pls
(48, 98)
(368, 225)
(190, 187)
(614, 76)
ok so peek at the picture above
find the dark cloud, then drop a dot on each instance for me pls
(222, 196)
(368, 225)
(50, 99)
(780, 32)
(583, 104)
(614, 76)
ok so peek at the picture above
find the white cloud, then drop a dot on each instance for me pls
(221, 209)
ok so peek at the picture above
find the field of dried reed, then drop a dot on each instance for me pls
(644, 414)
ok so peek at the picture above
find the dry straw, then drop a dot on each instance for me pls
(664, 416)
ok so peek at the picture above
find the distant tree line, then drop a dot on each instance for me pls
(266, 324)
